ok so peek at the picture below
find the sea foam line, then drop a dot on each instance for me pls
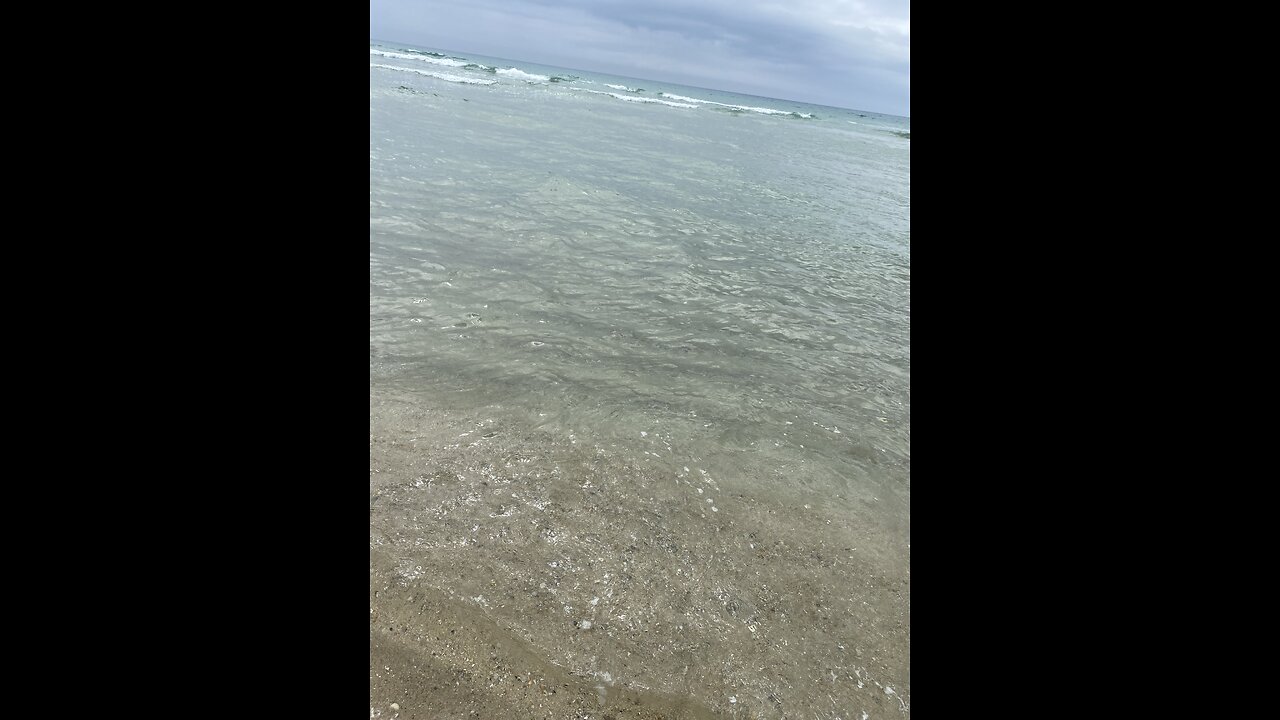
(522, 75)
(449, 62)
(632, 98)
(441, 76)
(762, 110)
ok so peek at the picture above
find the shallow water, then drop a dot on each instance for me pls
(651, 356)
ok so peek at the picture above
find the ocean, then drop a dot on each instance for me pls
(640, 399)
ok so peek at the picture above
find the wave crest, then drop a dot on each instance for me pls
(437, 75)
(448, 62)
(633, 98)
(742, 108)
(522, 75)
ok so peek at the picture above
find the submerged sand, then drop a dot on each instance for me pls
(515, 573)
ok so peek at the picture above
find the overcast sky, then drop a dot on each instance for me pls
(847, 53)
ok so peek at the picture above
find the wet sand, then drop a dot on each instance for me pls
(517, 573)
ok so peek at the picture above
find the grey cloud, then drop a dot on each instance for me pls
(850, 53)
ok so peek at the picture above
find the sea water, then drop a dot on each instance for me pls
(640, 359)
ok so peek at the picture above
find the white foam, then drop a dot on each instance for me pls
(522, 75)
(448, 62)
(632, 98)
(438, 75)
(761, 110)
(621, 87)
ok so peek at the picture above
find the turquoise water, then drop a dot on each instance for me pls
(699, 283)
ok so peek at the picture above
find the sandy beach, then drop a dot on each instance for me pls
(513, 574)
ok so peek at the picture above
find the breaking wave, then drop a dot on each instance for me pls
(437, 75)
(522, 75)
(743, 108)
(449, 62)
(633, 98)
